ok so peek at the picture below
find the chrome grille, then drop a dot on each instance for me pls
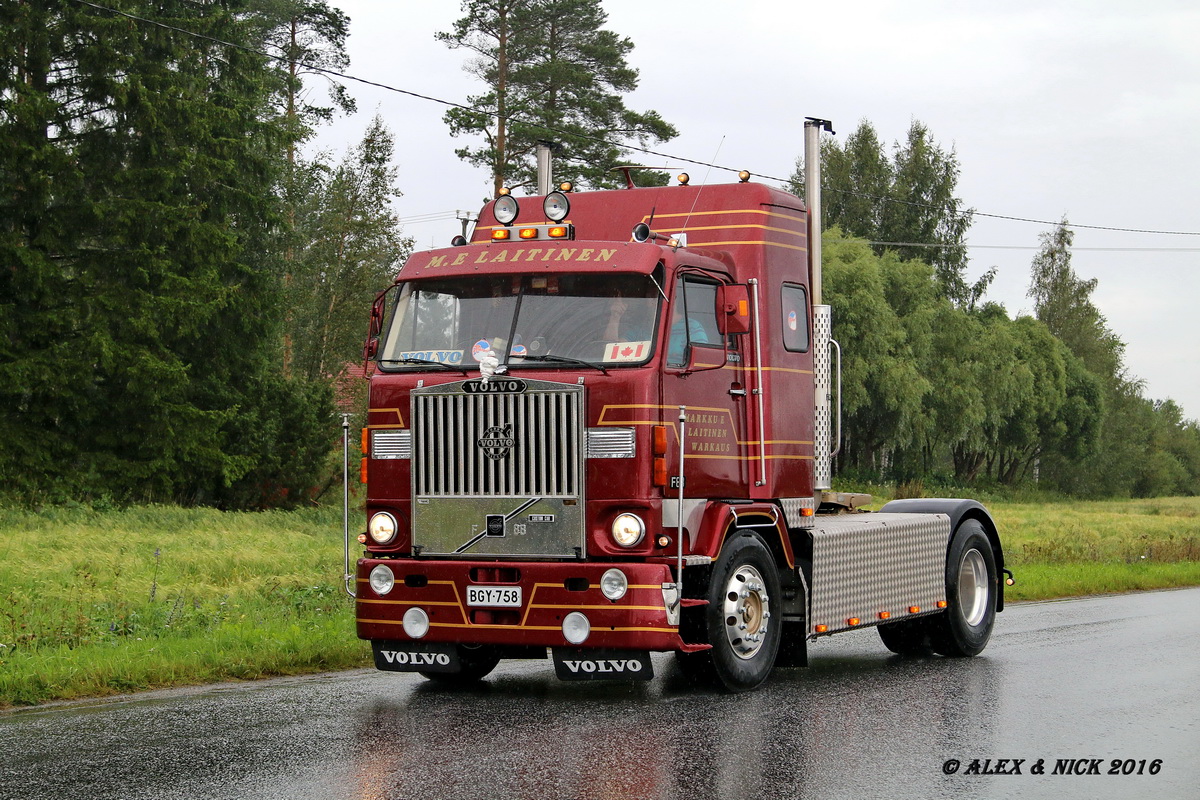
(497, 445)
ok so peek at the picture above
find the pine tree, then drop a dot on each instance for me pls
(552, 73)
(139, 326)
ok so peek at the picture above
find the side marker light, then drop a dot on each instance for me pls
(914, 609)
(853, 621)
(884, 615)
(822, 629)
(942, 604)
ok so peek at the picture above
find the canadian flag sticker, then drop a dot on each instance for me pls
(626, 351)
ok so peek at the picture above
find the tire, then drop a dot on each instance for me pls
(910, 637)
(738, 620)
(972, 587)
(477, 662)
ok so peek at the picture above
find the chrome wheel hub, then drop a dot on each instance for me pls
(746, 609)
(973, 588)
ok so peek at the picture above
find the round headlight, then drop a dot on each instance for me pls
(614, 584)
(416, 623)
(382, 528)
(382, 579)
(506, 209)
(576, 628)
(628, 530)
(557, 206)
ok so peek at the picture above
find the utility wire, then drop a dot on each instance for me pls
(601, 140)
(966, 246)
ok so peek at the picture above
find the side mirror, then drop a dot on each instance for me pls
(371, 345)
(733, 309)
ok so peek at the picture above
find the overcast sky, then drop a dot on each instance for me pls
(1085, 109)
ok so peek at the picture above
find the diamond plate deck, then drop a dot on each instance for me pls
(865, 564)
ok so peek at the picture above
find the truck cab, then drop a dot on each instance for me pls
(601, 428)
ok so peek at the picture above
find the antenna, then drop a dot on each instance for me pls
(703, 183)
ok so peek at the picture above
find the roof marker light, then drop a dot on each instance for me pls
(500, 234)
(528, 233)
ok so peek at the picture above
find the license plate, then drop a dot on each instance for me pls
(494, 596)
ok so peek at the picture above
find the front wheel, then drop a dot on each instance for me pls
(744, 634)
(972, 586)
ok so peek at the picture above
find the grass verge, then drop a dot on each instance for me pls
(95, 603)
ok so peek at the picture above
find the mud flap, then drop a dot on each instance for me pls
(575, 664)
(415, 657)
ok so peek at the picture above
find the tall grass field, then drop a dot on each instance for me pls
(95, 603)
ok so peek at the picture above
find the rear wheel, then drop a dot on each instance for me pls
(477, 661)
(972, 586)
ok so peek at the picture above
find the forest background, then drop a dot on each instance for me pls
(183, 283)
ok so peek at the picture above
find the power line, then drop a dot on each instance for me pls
(1074, 249)
(601, 140)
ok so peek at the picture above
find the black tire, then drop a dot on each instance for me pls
(738, 619)
(972, 588)
(477, 662)
(910, 637)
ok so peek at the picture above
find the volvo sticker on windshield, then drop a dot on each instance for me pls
(440, 356)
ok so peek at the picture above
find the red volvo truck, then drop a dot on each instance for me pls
(604, 427)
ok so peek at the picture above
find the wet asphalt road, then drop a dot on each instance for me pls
(1103, 678)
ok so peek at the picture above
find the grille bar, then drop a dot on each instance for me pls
(497, 444)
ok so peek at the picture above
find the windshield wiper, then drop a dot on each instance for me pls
(561, 360)
(425, 361)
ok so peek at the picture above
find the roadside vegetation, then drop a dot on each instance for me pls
(103, 602)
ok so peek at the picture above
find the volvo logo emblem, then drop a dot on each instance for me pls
(495, 386)
(497, 442)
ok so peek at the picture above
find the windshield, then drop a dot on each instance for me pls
(608, 320)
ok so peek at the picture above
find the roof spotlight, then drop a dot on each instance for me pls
(506, 209)
(557, 206)
(683, 179)
(743, 176)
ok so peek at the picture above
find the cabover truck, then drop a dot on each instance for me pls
(604, 426)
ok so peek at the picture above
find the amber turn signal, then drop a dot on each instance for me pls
(660, 440)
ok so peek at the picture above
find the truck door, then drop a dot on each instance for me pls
(704, 371)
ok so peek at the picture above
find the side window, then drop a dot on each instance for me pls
(795, 318)
(693, 319)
